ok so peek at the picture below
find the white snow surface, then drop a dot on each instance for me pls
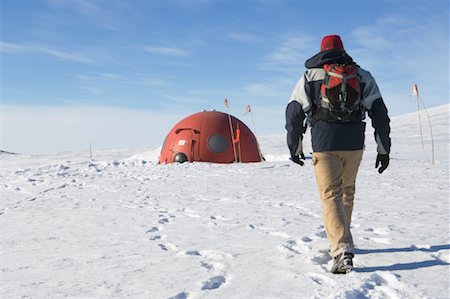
(121, 226)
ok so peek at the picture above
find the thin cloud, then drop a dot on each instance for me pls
(151, 82)
(13, 48)
(105, 13)
(264, 90)
(93, 82)
(168, 51)
(244, 37)
(399, 52)
(84, 6)
(183, 99)
(291, 53)
(111, 76)
(397, 39)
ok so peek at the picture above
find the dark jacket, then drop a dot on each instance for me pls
(327, 135)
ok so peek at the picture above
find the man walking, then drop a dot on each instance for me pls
(332, 97)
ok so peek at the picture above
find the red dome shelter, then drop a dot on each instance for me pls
(206, 137)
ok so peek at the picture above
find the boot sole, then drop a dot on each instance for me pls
(343, 270)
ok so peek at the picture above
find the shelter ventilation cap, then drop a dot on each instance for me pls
(331, 42)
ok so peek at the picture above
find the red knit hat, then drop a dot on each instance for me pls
(331, 42)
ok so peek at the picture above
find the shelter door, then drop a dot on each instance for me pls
(185, 142)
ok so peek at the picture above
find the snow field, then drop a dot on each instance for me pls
(122, 226)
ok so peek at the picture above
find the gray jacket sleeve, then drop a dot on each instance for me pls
(295, 117)
(380, 122)
(377, 111)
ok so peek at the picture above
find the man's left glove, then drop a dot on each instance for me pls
(383, 160)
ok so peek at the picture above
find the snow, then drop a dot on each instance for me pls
(120, 225)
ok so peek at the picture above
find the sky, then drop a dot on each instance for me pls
(121, 74)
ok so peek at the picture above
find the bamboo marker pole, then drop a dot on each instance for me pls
(238, 142)
(416, 93)
(419, 98)
(225, 102)
(248, 109)
(431, 133)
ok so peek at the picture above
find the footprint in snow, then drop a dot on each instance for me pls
(193, 253)
(292, 248)
(291, 245)
(216, 263)
(163, 221)
(207, 266)
(213, 283)
(165, 218)
(163, 247)
(306, 239)
(182, 295)
(168, 246)
(214, 266)
(152, 230)
(214, 260)
(378, 231)
(378, 235)
(382, 285)
(321, 279)
(321, 234)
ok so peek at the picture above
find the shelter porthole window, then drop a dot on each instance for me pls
(218, 143)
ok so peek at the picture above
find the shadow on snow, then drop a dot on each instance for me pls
(434, 248)
(404, 266)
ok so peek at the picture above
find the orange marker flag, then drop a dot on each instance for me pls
(238, 136)
(415, 90)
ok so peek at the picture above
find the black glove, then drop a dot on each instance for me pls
(296, 159)
(384, 160)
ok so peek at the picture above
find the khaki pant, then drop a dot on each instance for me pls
(336, 174)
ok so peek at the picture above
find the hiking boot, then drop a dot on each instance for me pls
(343, 263)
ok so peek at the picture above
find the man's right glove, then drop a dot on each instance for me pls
(297, 153)
(298, 159)
(383, 160)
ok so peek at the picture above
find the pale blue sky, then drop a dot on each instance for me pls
(122, 73)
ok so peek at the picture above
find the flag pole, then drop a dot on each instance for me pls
(225, 102)
(248, 109)
(238, 141)
(416, 92)
(431, 132)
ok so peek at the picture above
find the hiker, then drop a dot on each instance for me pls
(332, 97)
